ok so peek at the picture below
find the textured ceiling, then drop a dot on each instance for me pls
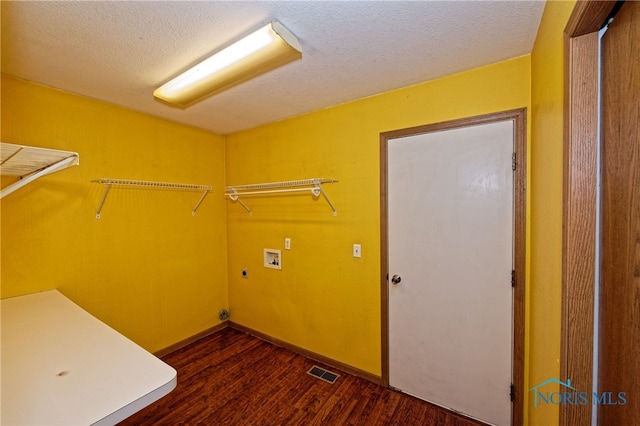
(121, 51)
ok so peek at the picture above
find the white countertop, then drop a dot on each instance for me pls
(62, 366)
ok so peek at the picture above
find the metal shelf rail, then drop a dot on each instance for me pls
(313, 185)
(150, 184)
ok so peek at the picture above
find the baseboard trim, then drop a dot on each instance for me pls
(309, 354)
(186, 342)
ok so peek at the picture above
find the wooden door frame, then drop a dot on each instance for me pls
(520, 177)
(581, 41)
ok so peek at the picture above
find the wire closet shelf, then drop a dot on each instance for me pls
(313, 185)
(30, 163)
(108, 182)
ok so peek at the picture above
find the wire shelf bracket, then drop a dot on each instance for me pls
(313, 185)
(30, 163)
(108, 183)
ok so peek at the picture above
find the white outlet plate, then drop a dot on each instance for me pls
(357, 250)
(287, 243)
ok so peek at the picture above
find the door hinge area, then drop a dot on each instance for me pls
(513, 278)
(514, 161)
(512, 392)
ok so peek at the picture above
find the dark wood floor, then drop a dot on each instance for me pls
(232, 378)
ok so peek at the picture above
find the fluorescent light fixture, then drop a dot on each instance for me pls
(261, 51)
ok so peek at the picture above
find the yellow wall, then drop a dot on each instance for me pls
(323, 299)
(159, 275)
(147, 267)
(547, 100)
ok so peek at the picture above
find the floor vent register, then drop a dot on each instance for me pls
(323, 374)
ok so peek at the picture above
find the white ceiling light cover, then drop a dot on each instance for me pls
(261, 51)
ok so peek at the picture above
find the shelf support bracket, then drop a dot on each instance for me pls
(107, 187)
(204, 194)
(319, 190)
(234, 197)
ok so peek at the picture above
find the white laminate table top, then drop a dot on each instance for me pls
(62, 366)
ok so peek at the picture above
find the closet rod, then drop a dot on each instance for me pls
(274, 191)
(284, 184)
(313, 185)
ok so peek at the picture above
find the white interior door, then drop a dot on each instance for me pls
(450, 222)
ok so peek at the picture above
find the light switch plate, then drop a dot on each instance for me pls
(357, 250)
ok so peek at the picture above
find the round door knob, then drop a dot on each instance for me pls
(396, 279)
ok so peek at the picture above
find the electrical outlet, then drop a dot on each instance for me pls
(357, 250)
(287, 243)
